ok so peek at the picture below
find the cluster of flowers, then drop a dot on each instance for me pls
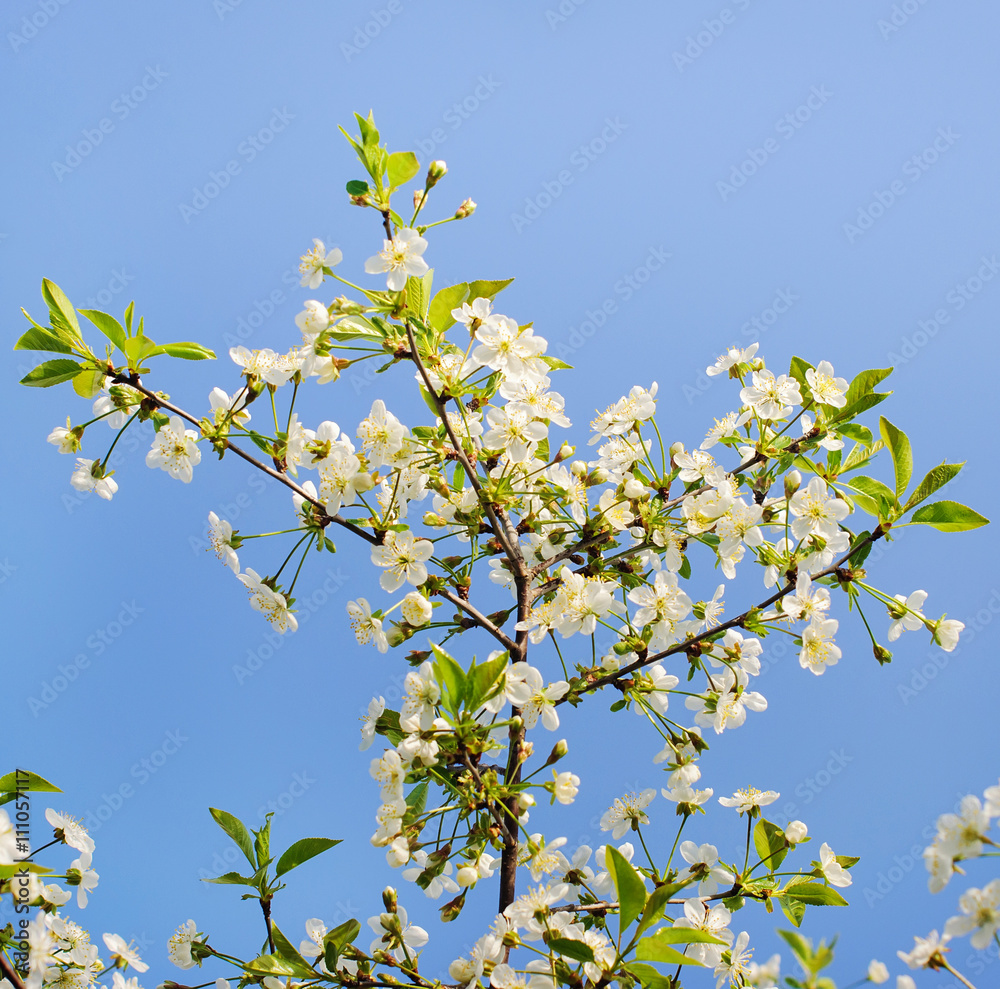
(60, 954)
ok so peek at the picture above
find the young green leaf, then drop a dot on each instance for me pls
(816, 894)
(108, 325)
(439, 315)
(403, 165)
(232, 878)
(769, 841)
(301, 851)
(902, 456)
(184, 349)
(949, 516)
(88, 383)
(630, 887)
(451, 678)
(39, 339)
(937, 477)
(236, 830)
(52, 373)
(61, 309)
(12, 782)
(487, 289)
(653, 949)
(864, 382)
(656, 904)
(579, 951)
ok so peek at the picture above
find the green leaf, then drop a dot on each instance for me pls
(88, 383)
(902, 455)
(451, 678)
(236, 830)
(352, 327)
(656, 904)
(262, 844)
(52, 373)
(579, 951)
(649, 977)
(403, 165)
(937, 477)
(864, 383)
(416, 801)
(855, 431)
(301, 851)
(652, 949)
(797, 370)
(288, 951)
(815, 894)
(277, 965)
(439, 315)
(949, 516)
(137, 348)
(336, 940)
(801, 946)
(769, 840)
(684, 935)
(794, 910)
(483, 681)
(358, 188)
(108, 325)
(184, 349)
(60, 308)
(863, 404)
(12, 782)
(233, 878)
(39, 339)
(487, 289)
(880, 493)
(554, 363)
(630, 887)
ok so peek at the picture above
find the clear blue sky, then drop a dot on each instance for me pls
(826, 170)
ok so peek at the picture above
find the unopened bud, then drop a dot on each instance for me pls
(565, 452)
(558, 751)
(882, 654)
(796, 832)
(453, 908)
(344, 307)
(676, 448)
(578, 467)
(467, 208)
(467, 875)
(436, 171)
(389, 899)
(360, 201)
(419, 198)
(634, 489)
(793, 480)
(598, 476)
(525, 800)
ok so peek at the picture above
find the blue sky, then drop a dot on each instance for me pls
(818, 177)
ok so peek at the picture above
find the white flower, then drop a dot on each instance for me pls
(505, 347)
(403, 559)
(83, 877)
(88, 475)
(714, 921)
(925, 950)
(703, 864)
(877, 972)
(816, 513)
(366, 628)
(565, 787)
(265, 364)
(723, 427)
(961, 835)
(381, 434)
(439, 884)
(375, 708)
(396, 931)
(809, 602)
(313, 320)
(220, 535)
(749, 800)
(796, 832)
(908, 616)
(627, 813)
(421, 697)
(268, 602)
(179, 945)
(417, 610)
(124, 952)
(312, 263)
(401, 258)
(946, 632)
(390, 772)
(223, 407)
(835, 874)
(770, 397)
(991, 800)
(175, 450)
(525, 690)
(64, 438)
(618, 419)
(513, 430)
(818, 649)
(8, 839)
(731, 358)
(826, 389)
(982, 915)
(70, 831)
(687, 796)
(735, 969)
(475, 312)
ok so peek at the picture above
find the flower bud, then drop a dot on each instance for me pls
(793, 480)
(436, 171)
(419, 198)
(389, 899)
(466, 876)
(565, 452)
(676, 448)
(453, 908)
(634, 489)
(578, 467)
(462, 970)
(467, 208)
(558, 751)
(796, 832)
(525, 800)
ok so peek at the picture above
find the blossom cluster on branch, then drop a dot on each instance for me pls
(601, 546)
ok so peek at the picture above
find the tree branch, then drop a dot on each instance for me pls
(479, 618)
(9, 972)
(133, 381)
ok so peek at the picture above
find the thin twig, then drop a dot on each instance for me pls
(479, 618)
